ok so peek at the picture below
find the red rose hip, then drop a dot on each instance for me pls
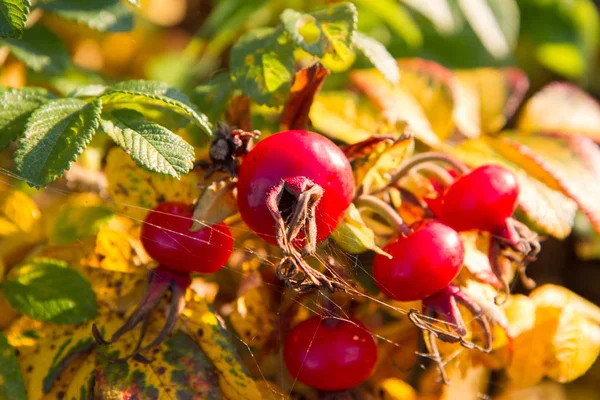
(287, 156)
(483, 199)
(167, 238)
(329, 353)
(423, 263)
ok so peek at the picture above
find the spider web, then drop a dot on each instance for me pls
(317, 303)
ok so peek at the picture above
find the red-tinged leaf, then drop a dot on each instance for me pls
(500, 93)
(448, 104)
(562, 108)
(307, 83)
(548, 209)
(396, 103)
(238, 113)
(569, 164)
(374, 159)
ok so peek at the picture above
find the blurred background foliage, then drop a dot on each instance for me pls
(184, 42)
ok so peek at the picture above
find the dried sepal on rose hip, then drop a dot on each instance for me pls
(167, 238)
(293, 189)
(330, 353)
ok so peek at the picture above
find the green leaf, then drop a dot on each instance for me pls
(78, 222)
(12, 386)
(338, 23)
(92, 90)
(495, 22)
(213, 96)
(154, 93)
(101, 15)
(55, 134)
(397, 18)
(378, 55)
(40, 49)
(50, 291)
(13, 15)
(262, 65)
(15, 107)
(151, 145)
(302, 29)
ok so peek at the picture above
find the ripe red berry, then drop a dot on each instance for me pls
(483, 199)
(287, 155)
(166, 236)
(422, 263)
(329, 353)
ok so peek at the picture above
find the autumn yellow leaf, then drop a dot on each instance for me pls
(135, 191)
(561, 108)
(253, 316)
(500, 91)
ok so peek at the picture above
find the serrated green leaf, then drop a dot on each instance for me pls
(55, 134)
(338, 23)
(295, 23)
(40, 49)
(262, 65)
(101, 15)
(78, 222)
(378, 55)
(154, 93)
(48, 290)
(151, 145)
(12, 386)
(15, 107)
(13, 15)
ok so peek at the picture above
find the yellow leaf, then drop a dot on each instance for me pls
(74, 382)
(568, 164)
(178, 367)
(20, 225)
(271, 390)
(253, 317)
(500, 91)
(437, 90)
(344, 116)
(202, 324)
(575, 346)
(543, 391)
(564, 108)
(43, 361)
(135, 191)
(547, 208)
(215, 204)
(374, 159)
(396, 103)
(115, 251)
(353, 235)
(18, 213)
(394, 389)
(466, 381)
(558, 296)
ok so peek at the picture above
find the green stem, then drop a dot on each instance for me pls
(422, 158)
